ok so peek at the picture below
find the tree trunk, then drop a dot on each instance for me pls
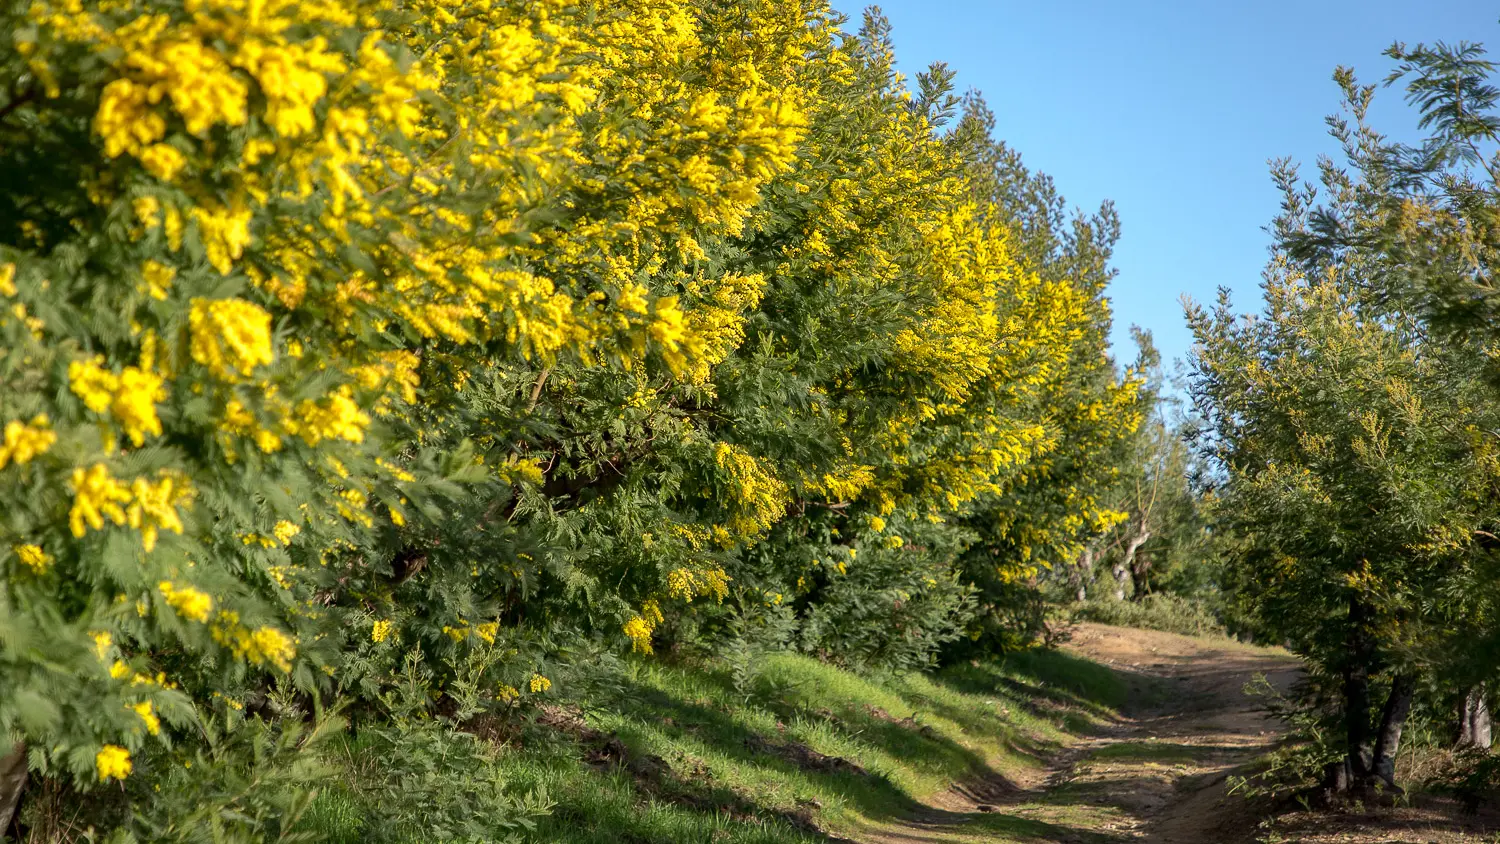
(1361, 653)
(1127, 565)
(1081, 571)
(1336, 776)
(1392, 721)
(12, 783)
(1474, 719)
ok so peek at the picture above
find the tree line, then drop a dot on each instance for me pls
(414, 360)
(1350, 428)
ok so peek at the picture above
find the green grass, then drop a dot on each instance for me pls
(808, 747)
(1165, 612)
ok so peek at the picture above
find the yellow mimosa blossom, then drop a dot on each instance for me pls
(112, 762)
(229, 336)
(148, 716)
(639, 631)
(23, 442)
(380, 631)
(134, 403)
(130, 397)
(34, 557)
(187, 601)
(285, 531)
(162, 161)
(487, 631)
(102, 642)
(336, 417)
(225, 233)
(158, 278)
(92, 383)
(760, 498)
(539, 684)
(686, 585)
(264, 645)
(153, 506)
(96, 495)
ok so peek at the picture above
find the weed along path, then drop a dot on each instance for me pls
(1153, 771)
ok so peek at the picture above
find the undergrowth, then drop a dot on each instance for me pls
(1159, 611)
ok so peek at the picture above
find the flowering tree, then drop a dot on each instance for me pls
(345, 336)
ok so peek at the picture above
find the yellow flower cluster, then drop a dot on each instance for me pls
(225, 232)
(685, 585)
(229, 336)
(153, 506)
(758, 499)
(844, 484)
(33, 557)
(148, 716)
(149, 507)
(103, 641)
(395, 376)
(285, 531)
(380, 631)
(336, 417)
(112, 762)
(539, 684)
(186, 601)
(640, 627)
(487, 631)
(130, 397)
(263, 645)
(238, 420)
(158, 277)
(96, 495)
(22, 442)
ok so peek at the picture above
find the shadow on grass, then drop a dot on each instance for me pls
(648, 715)
(653, 711)
(1050, 685)
(743, 769)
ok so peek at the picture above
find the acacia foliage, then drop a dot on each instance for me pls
(344, 339)
(1354, 420)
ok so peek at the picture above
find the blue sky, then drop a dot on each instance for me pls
(1172, 110)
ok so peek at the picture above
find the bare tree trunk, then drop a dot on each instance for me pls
(12, 783)
(1124, 570)
(1081, 571)
(1474, 719)
(1392, 721)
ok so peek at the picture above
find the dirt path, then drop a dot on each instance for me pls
(1156, 774)
(1165, 767)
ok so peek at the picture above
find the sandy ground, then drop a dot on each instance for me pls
(1207, 727)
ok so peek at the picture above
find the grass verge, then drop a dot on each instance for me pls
(675, 752)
